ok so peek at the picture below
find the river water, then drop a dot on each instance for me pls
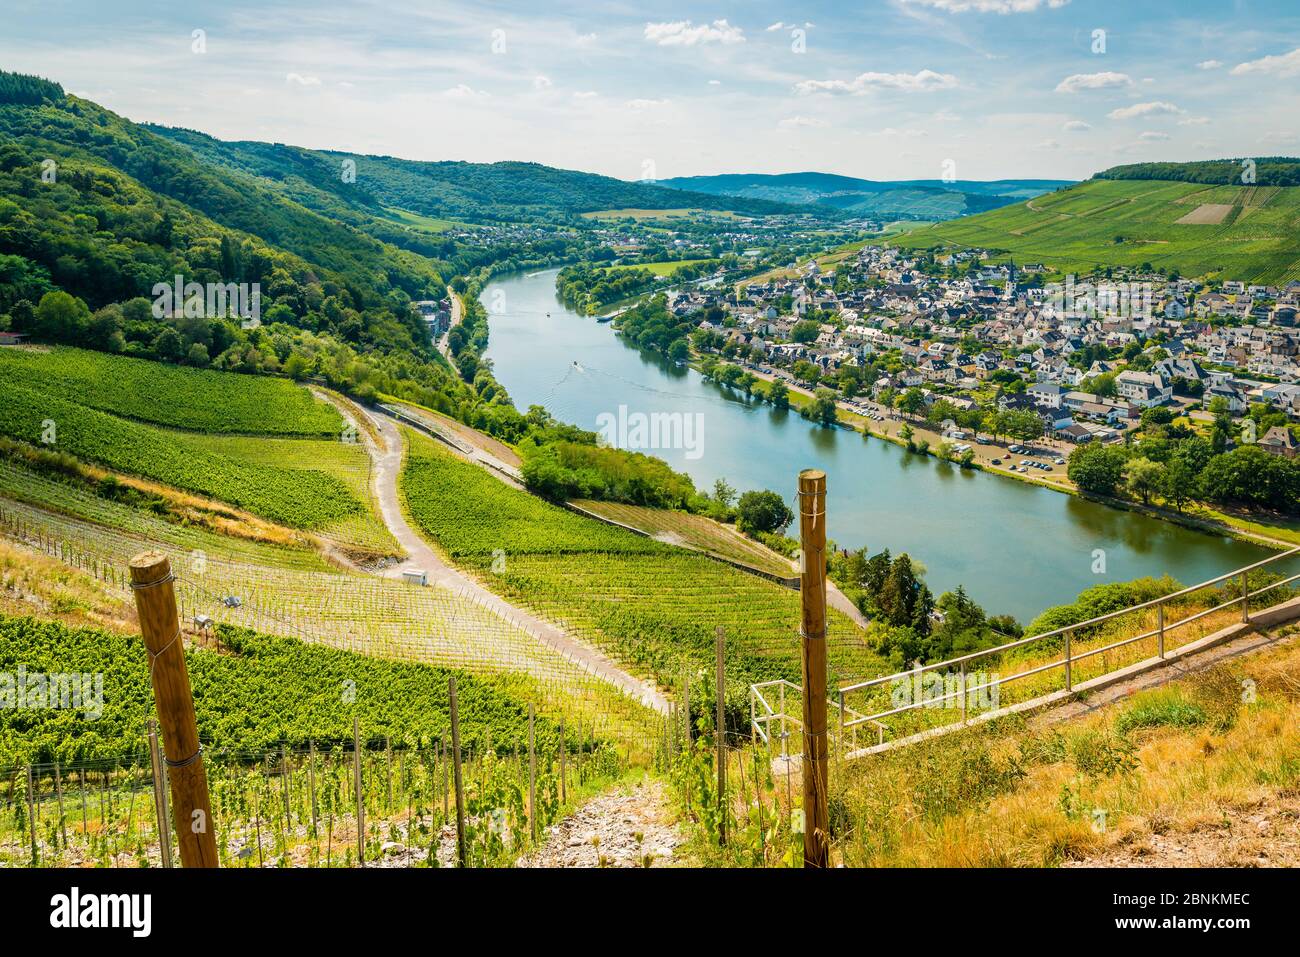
(1017, 548)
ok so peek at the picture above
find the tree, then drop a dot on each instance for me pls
(904, 599)
(1143, 478)
(763, 511)
(1180, 483)
(679, 350)
(723, 492)
(779, 394)
(1096, 468)
(912, 400)
(804, 331)
(61, 317)
(823, 409)
(806, 371)
(197, 355)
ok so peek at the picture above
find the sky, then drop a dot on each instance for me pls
(892, 89)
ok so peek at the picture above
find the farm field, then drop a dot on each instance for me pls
(648, 603)
(1102, 223)
(199, 400)
(643, 214)
(692, 531)
(382, 617)
(666, 269)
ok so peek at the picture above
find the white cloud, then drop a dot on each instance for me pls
(1048, 145)
(1153, 136)
(1094, 81)
(1288, 64)
(462, 91)
(922, 81)
(776, 26)
(301, 80)
(802, 122)
(585, 95)
(1209, 64)
(1076, 126)
(643, 104)
(584, 39)
(542, 82)
(1194, 121)
(1279, 136)
(990, 6)
(683, 33)
(1153, 108)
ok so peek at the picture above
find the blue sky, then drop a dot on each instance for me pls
(883, 90)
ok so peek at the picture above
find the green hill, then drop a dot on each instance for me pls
(910, 199)
(1251, 233)
(509, 191)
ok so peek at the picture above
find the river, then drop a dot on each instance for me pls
(1016, 547)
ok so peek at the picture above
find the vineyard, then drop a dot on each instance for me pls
(648, 603)
(298, 498)
(199, 400)
(381, 617)
(692, 531)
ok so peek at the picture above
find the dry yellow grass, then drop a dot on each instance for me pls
(33, 584)
(1172, 760)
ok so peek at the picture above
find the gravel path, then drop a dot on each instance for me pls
(617, 829)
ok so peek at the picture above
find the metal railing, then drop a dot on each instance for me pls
(762, 715)
(962, 664)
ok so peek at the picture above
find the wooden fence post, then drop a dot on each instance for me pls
(159, 798)
(311, 786)
(155, 602)
(456, 773)
(356, 784)
(812, 593)
(563, 754)
(532, 776)
(720, 732)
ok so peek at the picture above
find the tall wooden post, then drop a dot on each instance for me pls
(461, 856)
(159, 798)
(359, 791)
(812, 592)
(155, 602)
(532, 776)
(720, 732)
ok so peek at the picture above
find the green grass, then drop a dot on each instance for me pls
(200, 400)
(663, 268)
(1075, 230)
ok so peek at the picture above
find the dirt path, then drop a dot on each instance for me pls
(605, 831)
(421, 557)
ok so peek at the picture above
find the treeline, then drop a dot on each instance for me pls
(1269, 171)
(910, 624)
(1172, 463)
(28, 90)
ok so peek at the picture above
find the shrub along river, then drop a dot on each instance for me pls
(1016, 547)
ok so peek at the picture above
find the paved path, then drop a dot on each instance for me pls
(420, 556)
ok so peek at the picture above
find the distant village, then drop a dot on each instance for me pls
(1187, 346)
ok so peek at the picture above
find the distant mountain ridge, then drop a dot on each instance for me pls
(903, 199)
(452, 189)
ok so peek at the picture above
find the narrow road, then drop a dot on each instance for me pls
(457, 313)
(421, 557)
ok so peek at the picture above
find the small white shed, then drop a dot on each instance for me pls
(416, 577)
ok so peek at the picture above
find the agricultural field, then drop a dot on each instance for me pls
(645, 214)
(382, 617)
(665, 269)
(693, 531)
(308, 499)
(1172, 225)
(348, 462)
(650, 604)
(199, 400)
